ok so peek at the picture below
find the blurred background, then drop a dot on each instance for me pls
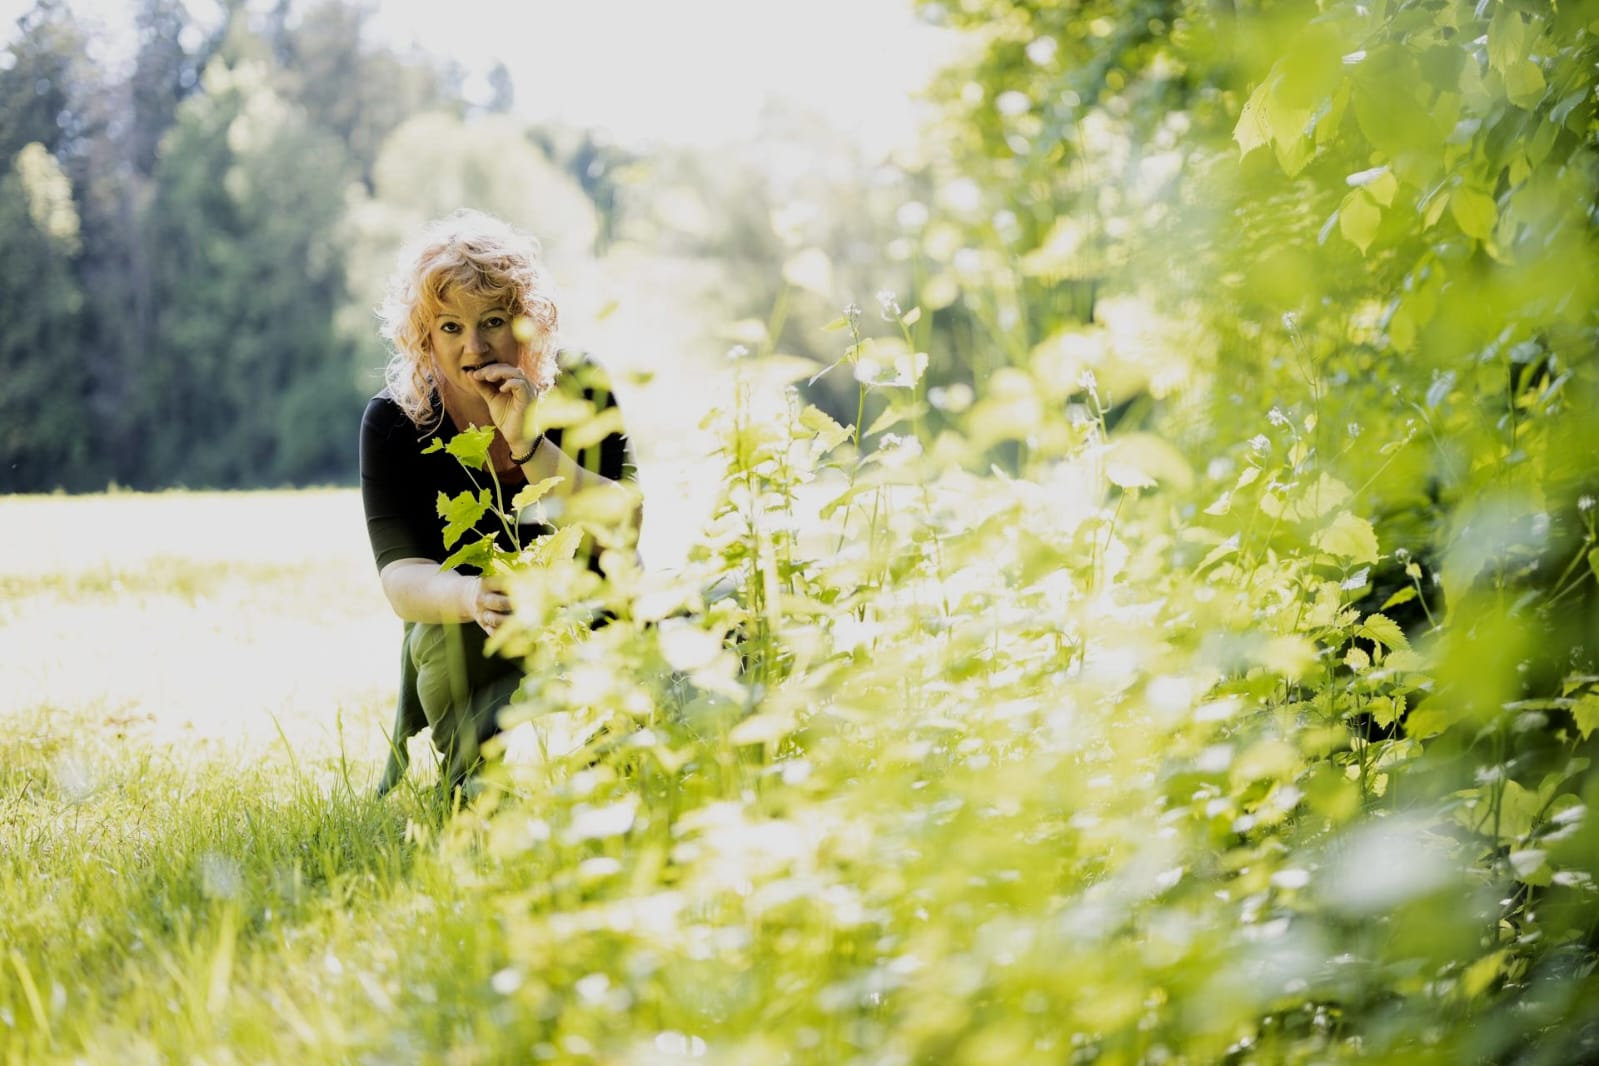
(203, 200)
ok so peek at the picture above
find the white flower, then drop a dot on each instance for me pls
(1276, 417)
(1259, 443)
(1585, 504)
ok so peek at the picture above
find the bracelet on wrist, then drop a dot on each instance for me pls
(522, 460)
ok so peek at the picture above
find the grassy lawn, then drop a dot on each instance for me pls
(195, 693)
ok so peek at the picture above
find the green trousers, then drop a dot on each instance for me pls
(448, 683)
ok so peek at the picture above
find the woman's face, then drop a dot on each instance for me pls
(469, 332)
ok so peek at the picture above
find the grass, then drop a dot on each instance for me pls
(185, 772)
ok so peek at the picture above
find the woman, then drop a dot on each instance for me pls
(472, 323)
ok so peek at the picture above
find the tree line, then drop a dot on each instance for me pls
(188, 238)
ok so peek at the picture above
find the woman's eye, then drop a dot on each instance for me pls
(449, 327)
(494, 321)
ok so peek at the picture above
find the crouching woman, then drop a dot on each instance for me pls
(471, 320)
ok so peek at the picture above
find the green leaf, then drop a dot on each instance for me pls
(478, 553)
(462, 513)
(836, 325)
(1435, 210)
(1427, 721)
(1251, 131)
(1383, 630)
(1480, 975)
(471, 446)
(1386, 710)
(1290, 655)
(828, 432)
(911, 317)
(1531, 866)
(1358, 219)
(1507, 38)
(433, 445)
(844, 498)
(1524, 84)
(1593, 563)
(887, 420)
(532, 494)
(1218, 553)
(1404, 595)
(1379, 183)
(1348, 537)
(1475, 212)
(1143, 460)
(1586, 714)
(560, 546)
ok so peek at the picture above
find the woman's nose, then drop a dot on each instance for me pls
(474, 341)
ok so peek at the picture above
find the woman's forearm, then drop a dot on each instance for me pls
(621, 499)
(420, 592)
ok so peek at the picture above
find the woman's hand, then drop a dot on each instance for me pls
(489, 605)
(511, 398)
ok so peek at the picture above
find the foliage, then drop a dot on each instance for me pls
(175, 262)
(248, 206)
(38, 236)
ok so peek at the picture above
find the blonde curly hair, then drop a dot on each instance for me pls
(465, 252)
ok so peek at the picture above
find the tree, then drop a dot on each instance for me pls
(41, 81)
(246, 383)
(327, 63)
(43, 425)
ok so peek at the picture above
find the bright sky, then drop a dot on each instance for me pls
(679, 70)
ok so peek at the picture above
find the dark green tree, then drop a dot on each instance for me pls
(44, 428)
(245, 384)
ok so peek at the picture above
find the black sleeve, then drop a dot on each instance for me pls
(389, 449)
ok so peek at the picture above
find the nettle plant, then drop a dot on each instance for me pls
(1020, 739)
(920, 758)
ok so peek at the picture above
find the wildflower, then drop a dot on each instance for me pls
(1402, 554)
(1354, 429)
(1259, 443)
(1276, 417)
(737, 352)
(1585, 504)
(852, 311)
(1290, 322)
(889, 305)
(1088, 382)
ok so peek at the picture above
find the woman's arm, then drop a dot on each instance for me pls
(420, 592)
(614, 498)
